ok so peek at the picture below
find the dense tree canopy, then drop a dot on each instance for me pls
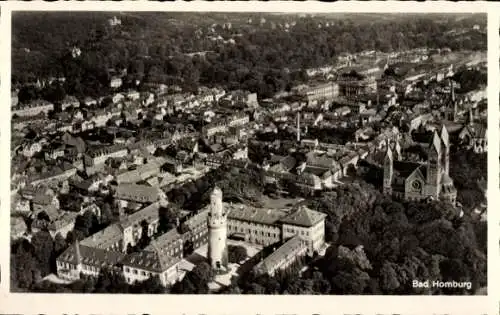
(261, 58)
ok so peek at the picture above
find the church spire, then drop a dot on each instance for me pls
(445, 138)
(388, 170)
(397, 148)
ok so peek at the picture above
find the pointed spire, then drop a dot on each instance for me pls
(445, 136)
(388, 152)
(397, 148)
(435, 142)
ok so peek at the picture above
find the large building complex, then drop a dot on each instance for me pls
(301, 230)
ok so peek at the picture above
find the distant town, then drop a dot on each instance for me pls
(358, 175)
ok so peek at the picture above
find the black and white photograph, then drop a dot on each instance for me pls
(252, 153)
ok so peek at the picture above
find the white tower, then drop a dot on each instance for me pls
(217, 231)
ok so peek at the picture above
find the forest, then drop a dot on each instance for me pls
(262, 58)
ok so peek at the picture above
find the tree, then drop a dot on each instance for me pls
(27, 94)
(106, 214)
(388, 278)
(145, 237)
(86, 224)
(152, 285)
(59, 244)
(236, 254)
(43, 246)
(195, 281)
(168, 217)
(110, 281)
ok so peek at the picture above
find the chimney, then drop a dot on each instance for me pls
(452, 90)
(77, 253)
(298, 127)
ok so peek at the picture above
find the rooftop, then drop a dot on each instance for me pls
(153, 259)
(289, 248)
(304, 216)
(91, 256)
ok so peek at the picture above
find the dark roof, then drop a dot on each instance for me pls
(154, 260)
(255, 215)
(92, 256)
(405, 169)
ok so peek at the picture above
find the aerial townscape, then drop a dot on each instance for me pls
(248, 153)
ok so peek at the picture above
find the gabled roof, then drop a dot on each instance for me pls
(404, 169)
(164, 241)
(91, 256)
(303, 217)
(445, 136)
(254, 215)
(291, 247)
(476, 130)
(154, 259)
(105, 238)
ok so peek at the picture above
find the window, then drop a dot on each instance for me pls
(127, 269)
(134, 271)
(143, 273)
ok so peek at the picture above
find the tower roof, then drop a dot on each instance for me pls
(217, 191)
(435, 142)
(388, 152)
(445, 136)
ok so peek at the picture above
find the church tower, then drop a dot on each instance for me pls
(388, 171)
(434, 167)
(397, 149)
(445, 138)
(217, 231)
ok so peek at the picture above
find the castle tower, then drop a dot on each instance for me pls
(445, 138)
(217, 231)
(434, 167)
(388, 171)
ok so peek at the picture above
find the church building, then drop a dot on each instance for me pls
(414, 181)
